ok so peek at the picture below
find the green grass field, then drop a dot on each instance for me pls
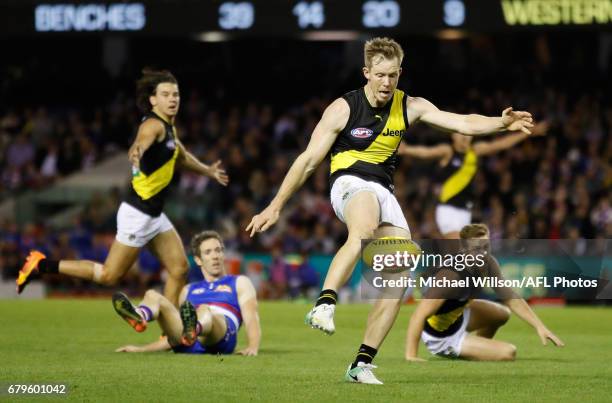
(72, 341)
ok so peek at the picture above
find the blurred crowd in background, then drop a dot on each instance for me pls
(557, 186)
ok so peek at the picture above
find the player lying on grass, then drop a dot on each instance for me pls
(463, 327)
(210, 313)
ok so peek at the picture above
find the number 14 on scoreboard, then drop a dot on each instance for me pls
(309, 14)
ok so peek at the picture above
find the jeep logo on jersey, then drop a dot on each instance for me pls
(398, 133)
(198, 291)
(361, 133)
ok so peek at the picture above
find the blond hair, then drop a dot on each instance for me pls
(386, 48)
(474, 231)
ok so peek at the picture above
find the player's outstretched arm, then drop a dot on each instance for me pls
(159, 345)
(520, 307)
(188, 161)
(509, 141)
(426, 308)
(148, 132)
(332, 122)
(247, 299)
(437, 152)
(420, 109)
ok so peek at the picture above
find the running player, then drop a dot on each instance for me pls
(140, 221)
(459, 162)
(444, 324)
(363, 130)
(211, 310)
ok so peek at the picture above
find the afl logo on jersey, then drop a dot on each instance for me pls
(170, 144)
(361, 133)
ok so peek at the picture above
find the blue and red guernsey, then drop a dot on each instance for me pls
(221, 296)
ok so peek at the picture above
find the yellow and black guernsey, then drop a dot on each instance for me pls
(150, 182)
(447, 319)
(450, 316)
(458, 175)
(367, 146)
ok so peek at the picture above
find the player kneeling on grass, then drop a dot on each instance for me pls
(210, 313)
(463, 327)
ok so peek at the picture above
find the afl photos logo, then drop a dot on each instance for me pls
(361, 133)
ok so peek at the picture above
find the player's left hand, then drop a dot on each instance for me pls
(415, 359)
(546, 335)
(514, 121)
(249, 352)
(218, 173)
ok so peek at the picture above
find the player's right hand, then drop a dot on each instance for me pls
(134, 155)
(415, 359)
(129, 349)
(262, 221)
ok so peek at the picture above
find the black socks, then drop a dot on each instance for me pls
(327, 297)
(48, 266)
(366, 354)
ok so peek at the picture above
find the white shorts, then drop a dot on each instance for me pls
(136, 229)
(452, 219)
(347, 186)
(449, 346)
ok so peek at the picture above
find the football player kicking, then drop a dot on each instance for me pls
(463, 327)
(210, 313)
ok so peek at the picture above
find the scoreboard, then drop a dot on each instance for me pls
(293, 17)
